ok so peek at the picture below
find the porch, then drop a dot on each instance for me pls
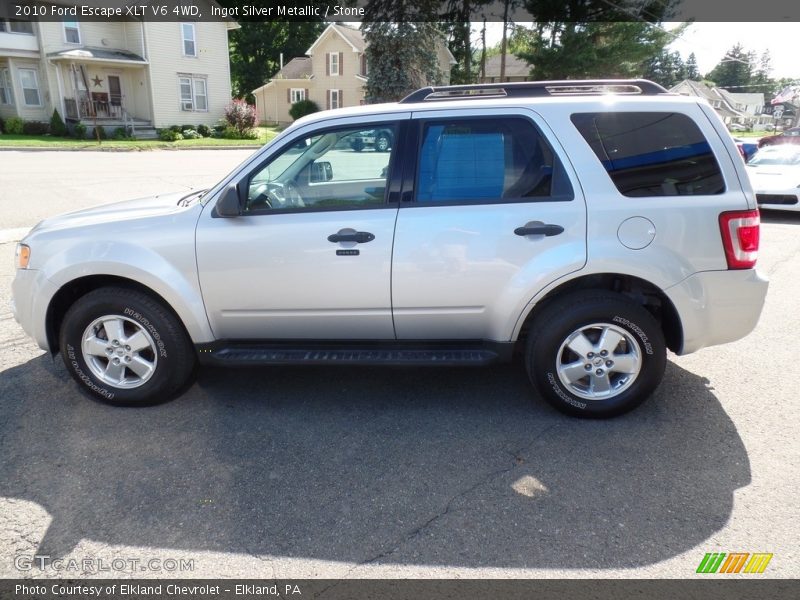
(102, 87)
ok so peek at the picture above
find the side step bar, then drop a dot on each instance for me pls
(357, 354)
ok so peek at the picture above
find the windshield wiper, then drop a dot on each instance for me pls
(187, 200)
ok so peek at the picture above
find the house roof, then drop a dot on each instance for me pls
(297, 68)
(687, 87)
(353, 37)
(515, 66)
(97, 54)
(743, 98)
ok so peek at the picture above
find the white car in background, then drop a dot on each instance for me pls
(774, 173)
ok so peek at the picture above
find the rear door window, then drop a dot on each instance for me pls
(652, 153)
(478, 161)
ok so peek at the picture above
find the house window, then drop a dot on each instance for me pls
(189, 39)
(29, 81)
(363, 65)
(72, 34)
(20, 27)
(334, 99)
(296, 95)
(194, 94)
(6, 96)
(333, 63)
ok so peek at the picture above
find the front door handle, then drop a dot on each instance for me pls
(546, 229)
(359, 237)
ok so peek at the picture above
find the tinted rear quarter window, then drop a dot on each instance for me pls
(652, 153)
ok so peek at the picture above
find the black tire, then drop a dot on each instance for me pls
(383, 142)
(587, 315)
(166, 347)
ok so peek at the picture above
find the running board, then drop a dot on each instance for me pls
(256, 354)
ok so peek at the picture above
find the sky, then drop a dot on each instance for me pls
(710, 42)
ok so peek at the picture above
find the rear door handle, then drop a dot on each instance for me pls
(359, 237)
(546, 229)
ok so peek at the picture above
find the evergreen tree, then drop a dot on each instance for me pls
(734, 71)
(401, 38)
(692, 72)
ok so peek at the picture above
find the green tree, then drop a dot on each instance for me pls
(666, 68)
(256, 47)
(594, 50)
(734, 70)
(761, 80)
(692, 72)
(401, 37)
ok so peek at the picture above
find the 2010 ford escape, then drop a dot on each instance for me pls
(587, 225)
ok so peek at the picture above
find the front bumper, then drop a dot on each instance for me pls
(31, 293)
(717, 307)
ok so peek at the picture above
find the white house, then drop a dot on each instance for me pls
(123, 73)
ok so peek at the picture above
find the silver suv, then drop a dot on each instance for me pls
(584, 226)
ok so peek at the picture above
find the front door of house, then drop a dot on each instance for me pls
(115, 93)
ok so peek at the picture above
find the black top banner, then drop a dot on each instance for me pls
(404, 10)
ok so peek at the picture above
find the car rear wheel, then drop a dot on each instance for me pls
(595, 354)
(125, 348)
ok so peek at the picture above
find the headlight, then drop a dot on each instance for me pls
(22, 256)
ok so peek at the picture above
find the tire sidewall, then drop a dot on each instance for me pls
(635, 321)
(155, 389)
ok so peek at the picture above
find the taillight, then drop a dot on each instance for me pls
(740, 235)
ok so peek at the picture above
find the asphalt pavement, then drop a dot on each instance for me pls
(377, 472)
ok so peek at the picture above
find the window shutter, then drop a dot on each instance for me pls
(341, 102)
(328, 100)
(306, 95)
(327, 63)
(341, 63)
(289, 95)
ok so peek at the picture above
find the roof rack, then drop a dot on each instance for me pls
(532, 89)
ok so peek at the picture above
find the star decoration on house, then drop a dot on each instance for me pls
(97, 81)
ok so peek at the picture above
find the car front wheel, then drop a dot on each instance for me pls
(125, 348)
(595, 354)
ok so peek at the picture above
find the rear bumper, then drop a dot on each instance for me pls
(717, 307)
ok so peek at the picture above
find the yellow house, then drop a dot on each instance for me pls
(332, 74)
(126, 73)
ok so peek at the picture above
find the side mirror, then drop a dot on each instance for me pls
(321, 171)
(228, 204)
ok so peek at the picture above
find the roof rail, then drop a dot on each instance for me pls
(532, 89)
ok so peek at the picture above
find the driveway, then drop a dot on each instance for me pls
(401, 472)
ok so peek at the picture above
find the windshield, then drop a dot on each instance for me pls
(778, 155)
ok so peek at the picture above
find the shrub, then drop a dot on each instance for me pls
(35, 128)
(169, 135)
(175, 128)
(241, 116)
(57, 126)
(191, 134)
(2, 125)
(303, 108)
(187, 127)
(80, 131)
(121, 133)
(99, 133)
(231, 133)
(14, 126)
(204, 130)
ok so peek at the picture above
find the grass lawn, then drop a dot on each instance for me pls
(10, 142)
